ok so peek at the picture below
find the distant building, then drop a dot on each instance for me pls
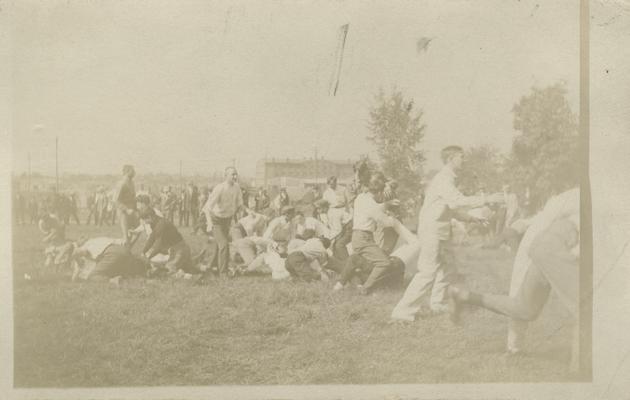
(306, 170)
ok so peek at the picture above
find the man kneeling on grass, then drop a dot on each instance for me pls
(166, 239)
(103, 258)
(370, 261)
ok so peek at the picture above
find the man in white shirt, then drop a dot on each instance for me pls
(252, 224)
(434, 230)
(303, 223)
(367, 214)
(223, 203)
(335, 196)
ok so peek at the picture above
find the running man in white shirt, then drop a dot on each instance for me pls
(434, 230)
(553, 255)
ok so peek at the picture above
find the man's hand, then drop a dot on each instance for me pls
(481, 221)
(392, 203)
(496, 198)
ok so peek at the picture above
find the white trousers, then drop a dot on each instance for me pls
(433, 271)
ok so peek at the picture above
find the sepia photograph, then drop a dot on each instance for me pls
(295, 193)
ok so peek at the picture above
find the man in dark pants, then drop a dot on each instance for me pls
(165, 238)
(368, 212)
(193, 205)
(358, 266)
(223, 203)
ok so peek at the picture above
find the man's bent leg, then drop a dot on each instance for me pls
(526, 305)
(375, 256)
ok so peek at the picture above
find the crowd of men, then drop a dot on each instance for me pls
(352, 236)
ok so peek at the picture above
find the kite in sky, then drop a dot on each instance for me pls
(423, 44)
(341, 43)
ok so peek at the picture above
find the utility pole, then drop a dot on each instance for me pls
(57, 164)
(316, 168)
(265, 169)
(29, 172)
(181, 179)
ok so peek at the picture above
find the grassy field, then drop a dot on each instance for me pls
(251, 330)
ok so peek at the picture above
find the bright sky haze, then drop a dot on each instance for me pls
(153, 83)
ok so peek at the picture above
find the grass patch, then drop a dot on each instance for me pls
(255, 331)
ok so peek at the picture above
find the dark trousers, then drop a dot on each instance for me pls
(193, 215)
(221, 233)
(184, 218)
(390, 237)
(340, 251)
(384, 268)
(201, 223)
(92, 213)
(117, 260)
(358, 266)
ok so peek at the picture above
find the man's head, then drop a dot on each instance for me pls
(143, 202)
(321, 206)
(129, 171)
(453, 156)
(377, 182)
(332, 182)
(231, 175)
(288, 212)
(299, 218)
(148, 215)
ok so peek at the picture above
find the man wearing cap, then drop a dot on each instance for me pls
(223, 203)
(125, 198)
(165, 238)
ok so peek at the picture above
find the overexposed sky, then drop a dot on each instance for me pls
(153, 82)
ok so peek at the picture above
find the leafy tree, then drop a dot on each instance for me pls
(396, 130)
(481, 169)
(544, 156)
